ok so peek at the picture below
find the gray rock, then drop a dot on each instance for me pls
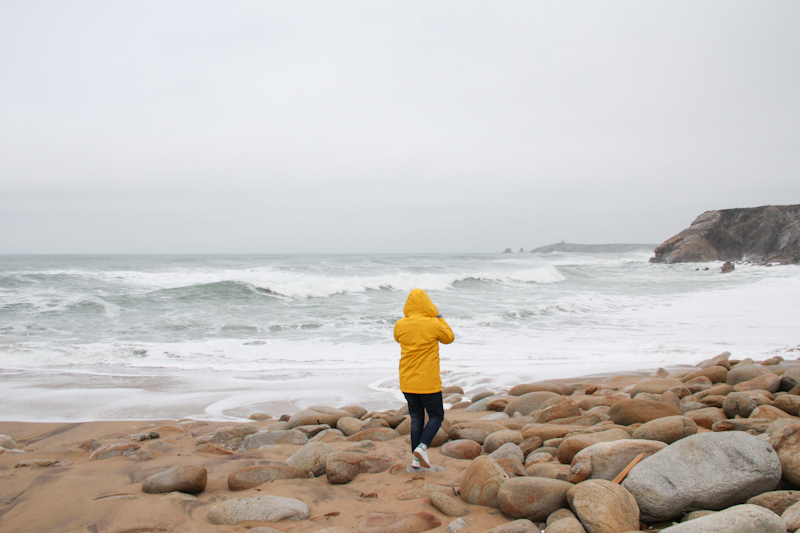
(790, 379)
(706, 471)
(769, 233)
(508, 450)
(114, 450)
(229, 436)
(189, 478)
(456, 525)
(499, 438)
(737, 519)
(268, 438)
(311, 458)
(523, 525)
(317, 415)
(311, 431)
(7, 442)
(605, 460)
(481, 404)
(741, 373)
(253, 476)
(494, 417)
(447, 505)
(528, 403)
(343, 467)
(258, 509)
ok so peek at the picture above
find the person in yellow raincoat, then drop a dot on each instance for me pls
(419, 334)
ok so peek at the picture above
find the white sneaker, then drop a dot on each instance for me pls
(422, 456)
(415, 463)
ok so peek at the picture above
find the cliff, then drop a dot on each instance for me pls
(592, 248)
(767, 234)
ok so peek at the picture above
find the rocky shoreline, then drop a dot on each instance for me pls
(711, 448)
(767, 234)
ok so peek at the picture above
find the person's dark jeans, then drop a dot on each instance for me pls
(418, 404)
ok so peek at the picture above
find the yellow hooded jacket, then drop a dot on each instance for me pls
(419, 335)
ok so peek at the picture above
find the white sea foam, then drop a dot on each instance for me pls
(146, 337)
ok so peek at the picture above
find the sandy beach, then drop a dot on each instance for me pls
(68, 477)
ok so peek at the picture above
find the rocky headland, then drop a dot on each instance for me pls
(767, 234)
(592, 248)
(713, 448)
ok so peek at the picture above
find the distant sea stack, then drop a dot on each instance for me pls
(592, 248)
(766, 234)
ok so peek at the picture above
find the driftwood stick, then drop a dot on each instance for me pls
(621, 475)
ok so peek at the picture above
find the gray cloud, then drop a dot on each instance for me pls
(405, 126)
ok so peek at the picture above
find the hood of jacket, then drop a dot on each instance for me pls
(419, 304)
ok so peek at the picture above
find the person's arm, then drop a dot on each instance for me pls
(445, 333)
(395, 331)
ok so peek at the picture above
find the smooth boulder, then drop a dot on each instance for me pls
(398, 523)
(461, 449)
(253, 476)
(709, 471)
(627, 412)
(533, 498)
(343, 467)
(258, 509)
(572, 445)
(189, 478)
(317, 415)
(482, 481)
(668, 429)
(311, 458)
(604, 507)
(605, 460)
(737, 519)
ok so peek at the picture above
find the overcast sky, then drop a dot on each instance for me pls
(369, 126)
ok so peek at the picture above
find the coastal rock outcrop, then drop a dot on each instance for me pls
(769, 234)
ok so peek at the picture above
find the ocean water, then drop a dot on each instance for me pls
(223, 336)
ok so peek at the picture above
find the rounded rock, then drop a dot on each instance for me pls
(604, 506)
(448, 506)
(499, 438)
(708, 471)
(258, 509)
(668, 429)
(461, 449)
(739, 518)
(533, 498)
(189, 478)
(481, 482)
(317, 415)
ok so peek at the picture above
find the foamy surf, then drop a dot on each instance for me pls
(214, 337)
